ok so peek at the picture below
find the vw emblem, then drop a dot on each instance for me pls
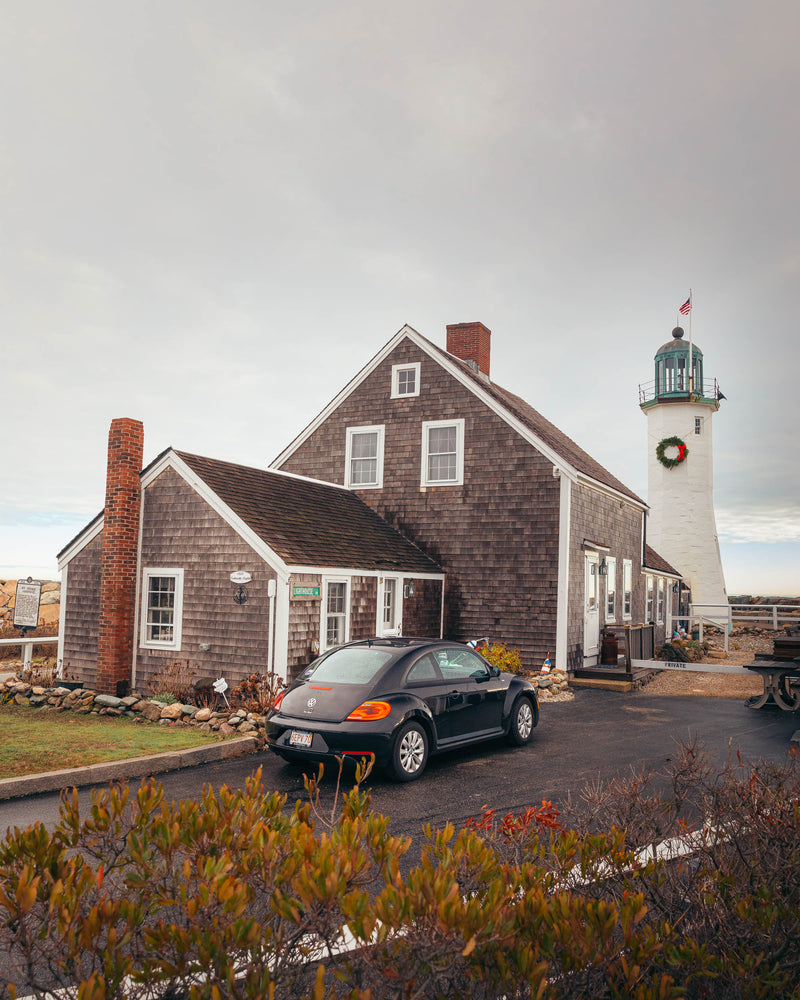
(311, 702)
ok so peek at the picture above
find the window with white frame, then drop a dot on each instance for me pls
(335, 625)
(162, 608)
(405, 380)
(611, 588)
(443, 452)
(660, 601)
(364, 457)
(649, 608)
(698, 425)
(627, 588)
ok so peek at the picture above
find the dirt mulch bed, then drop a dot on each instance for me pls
(742, 650)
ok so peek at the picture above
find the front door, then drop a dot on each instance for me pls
(591, 610)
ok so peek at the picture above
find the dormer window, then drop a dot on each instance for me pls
(405, 380)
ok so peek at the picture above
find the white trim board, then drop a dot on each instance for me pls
(698, 668)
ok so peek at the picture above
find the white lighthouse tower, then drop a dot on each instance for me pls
(679, 406)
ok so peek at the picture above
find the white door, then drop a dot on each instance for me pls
(389, 606)
(591, 611)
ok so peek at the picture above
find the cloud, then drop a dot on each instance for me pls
(762, 525)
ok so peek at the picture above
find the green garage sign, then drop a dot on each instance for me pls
(304, 592)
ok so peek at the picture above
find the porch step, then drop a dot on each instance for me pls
(600, 683)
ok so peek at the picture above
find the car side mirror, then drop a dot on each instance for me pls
(495, 671)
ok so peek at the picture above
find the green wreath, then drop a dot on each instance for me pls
(673, 442)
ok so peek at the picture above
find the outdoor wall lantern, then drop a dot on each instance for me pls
(602, 569)
(240, 579)
(204, 646)
(409, 590)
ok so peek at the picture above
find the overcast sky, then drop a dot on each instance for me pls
(214, 214)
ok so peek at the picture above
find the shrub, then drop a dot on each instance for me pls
(499, 655)
(236, 897)
(257, 693)
(175, 679)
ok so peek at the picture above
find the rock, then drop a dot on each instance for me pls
(246, 727)
(202, 715)
(37, 690)
(226, 730)
(172, 711)
(107, 701)
(234, 720)
(151, 710)
(131, 700)
(545, 682)
(190, 710)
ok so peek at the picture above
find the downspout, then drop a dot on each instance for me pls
(62, 624)
(271, 590)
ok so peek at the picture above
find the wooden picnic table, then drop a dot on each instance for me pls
(781, 679)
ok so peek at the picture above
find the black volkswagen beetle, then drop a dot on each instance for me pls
(401, 700)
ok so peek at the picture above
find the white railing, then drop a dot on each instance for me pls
(775, 613)
(27, 645)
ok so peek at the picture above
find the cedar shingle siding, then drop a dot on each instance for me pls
(80, 613)
(180, 530)
(496, 536)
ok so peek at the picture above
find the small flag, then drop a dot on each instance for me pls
(546, 665)
(686, 308)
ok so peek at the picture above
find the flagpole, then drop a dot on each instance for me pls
(691, 359)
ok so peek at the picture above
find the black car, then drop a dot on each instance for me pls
(401, 700)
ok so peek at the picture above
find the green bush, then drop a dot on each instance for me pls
(236, 897)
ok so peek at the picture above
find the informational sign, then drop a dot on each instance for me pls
(241, 577)
(26, 605)
(305, 593)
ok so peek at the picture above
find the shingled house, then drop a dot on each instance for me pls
(542, 546)
(148, 582)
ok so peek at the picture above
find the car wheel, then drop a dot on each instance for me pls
(410, 752)
(522, 722)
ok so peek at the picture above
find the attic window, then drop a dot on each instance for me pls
(405, 380)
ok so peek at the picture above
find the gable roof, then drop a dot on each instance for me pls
(569, 457)
(308, 522)
(652, 560)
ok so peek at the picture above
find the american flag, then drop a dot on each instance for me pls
(686, 308)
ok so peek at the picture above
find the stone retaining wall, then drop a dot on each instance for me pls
(134, 706)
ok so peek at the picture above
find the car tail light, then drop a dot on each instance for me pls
(369, 711)
(278, 699)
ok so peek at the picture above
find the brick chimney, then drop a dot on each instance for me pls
(470, 342)
(118, 566)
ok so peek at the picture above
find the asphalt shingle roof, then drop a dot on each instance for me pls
(310, 523)
(652, 560)
(543, 429)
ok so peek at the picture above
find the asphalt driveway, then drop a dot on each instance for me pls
(599, 734)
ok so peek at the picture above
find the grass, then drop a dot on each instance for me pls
(37, 740)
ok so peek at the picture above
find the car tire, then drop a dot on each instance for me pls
(409, 752)
(523, 721)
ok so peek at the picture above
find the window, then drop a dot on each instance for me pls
(660, 601)
(649, 609)
(162, 608)
(364, 457)
(405, 380)
(627, 588)
(698, 425)
(335, 623)
(611, 588)
(443, 453)
(388, 611)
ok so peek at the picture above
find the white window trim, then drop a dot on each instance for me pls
(380, 628)
(650, 598)
(323, 623)
(177, 616)
(396, 369)
(611, 576)
(627, 595)
(429, 425)
(660, 595)
(370, 429)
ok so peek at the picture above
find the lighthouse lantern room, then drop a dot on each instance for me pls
(679, 405)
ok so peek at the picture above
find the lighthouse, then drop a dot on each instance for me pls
(679, 405)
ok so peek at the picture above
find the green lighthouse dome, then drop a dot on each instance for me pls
(672, 368)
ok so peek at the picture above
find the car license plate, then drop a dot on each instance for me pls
(300, 739)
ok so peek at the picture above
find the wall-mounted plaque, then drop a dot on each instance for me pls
(303, 592)
(26, 604)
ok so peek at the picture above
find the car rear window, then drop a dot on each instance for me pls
(350, 665)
